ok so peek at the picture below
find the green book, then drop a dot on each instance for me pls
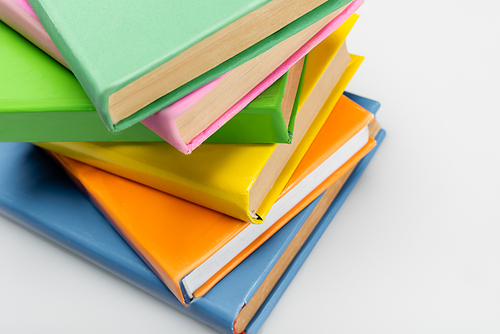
(134, 58)
(41, 101)
(266, 119)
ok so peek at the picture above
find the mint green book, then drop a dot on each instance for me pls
(41, 101)
(134, 58)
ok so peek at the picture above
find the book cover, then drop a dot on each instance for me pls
(269, 117)
(36, 193)
(19, 15)
(179, 123)
(42, 101)
(26, 123)
(191, 247)
(128, 75)
(205, 177)
(322, 55)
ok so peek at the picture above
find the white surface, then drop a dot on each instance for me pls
(416, 246)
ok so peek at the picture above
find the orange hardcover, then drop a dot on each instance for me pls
(327, 141)
(175, 236)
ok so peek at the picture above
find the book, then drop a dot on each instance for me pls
(206, 177)
(255, 125)
(270, 117)
(41, 101)
(124, 69)
(19, 15)
(163, 122)
(190, 247)
(371, 105)
(187, 124)
(37, 194)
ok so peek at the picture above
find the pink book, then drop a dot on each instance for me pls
(19, 15)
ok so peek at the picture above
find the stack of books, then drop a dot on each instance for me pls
(208, 144)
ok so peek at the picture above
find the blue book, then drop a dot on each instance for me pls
(37, 193)
(370, 105)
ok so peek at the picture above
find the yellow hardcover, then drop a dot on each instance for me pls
(308, 138)
(217, 176)
(176, 237)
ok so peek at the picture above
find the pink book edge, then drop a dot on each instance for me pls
(18, 15)
(163, 121)
(26, 6)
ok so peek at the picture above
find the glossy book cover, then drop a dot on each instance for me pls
(36, 192)
(206, 176)
(157, 225)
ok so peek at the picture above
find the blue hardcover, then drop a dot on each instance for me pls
(37, 193)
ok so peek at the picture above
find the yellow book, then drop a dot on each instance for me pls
(240, 180)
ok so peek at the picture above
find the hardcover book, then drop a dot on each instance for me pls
(256, 126)
(35, 192)
(24, 125)
(19, 15)
(42, 101)
(187, 124)
(269, 118)
(128, 75)
(206, 176)
(153, 221)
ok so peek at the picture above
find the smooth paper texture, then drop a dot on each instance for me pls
(35, 192)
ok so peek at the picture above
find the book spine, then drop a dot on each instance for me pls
(306, 249)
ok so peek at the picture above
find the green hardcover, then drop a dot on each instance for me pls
(262, 121)
(107, 52)
(41, 101)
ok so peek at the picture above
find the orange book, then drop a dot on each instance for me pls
(191, 247)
